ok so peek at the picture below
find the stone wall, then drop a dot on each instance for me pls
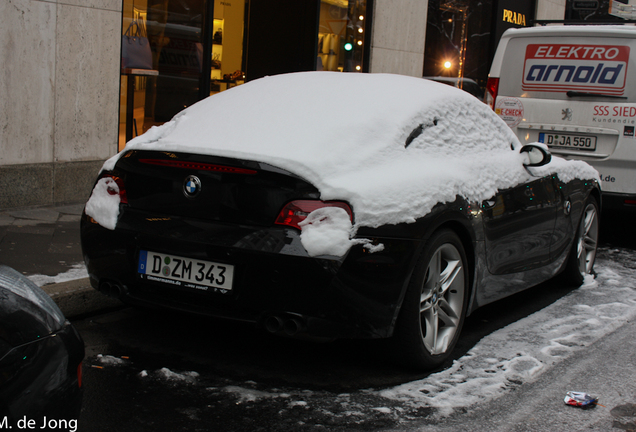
(59, 97)
(551, 9)
(399, 34)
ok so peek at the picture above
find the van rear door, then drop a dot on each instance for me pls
(573, 88)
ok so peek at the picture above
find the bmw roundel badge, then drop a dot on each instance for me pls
(191, 186)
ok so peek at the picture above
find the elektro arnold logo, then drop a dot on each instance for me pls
(585, 68)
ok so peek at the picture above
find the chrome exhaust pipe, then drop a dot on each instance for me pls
(113, 289)
(292, 326)
(106, 288)
(273, 324)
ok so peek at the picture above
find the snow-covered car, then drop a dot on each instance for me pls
(337, 205)
(41, 357)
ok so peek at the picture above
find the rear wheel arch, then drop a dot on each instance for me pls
(460, 225)
(596, 193)
(439, 298)
(467, 238)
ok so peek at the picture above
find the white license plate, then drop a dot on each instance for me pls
(185, 272)
(579, 142)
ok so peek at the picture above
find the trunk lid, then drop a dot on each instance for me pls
(208, 187)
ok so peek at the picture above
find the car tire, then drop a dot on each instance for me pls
(435, 303)
(583, 253)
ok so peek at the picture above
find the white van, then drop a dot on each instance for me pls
(574, 89)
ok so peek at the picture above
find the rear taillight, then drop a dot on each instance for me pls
(120, 187)
(492, 88)
(297, 211)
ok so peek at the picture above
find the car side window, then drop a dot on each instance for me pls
(418, 131)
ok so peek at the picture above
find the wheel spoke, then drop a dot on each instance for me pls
(580, 249)
(447, 277)
(425, 303)
(589, 243)
(588, 240)
(590, 217)
(430, 283)
(434, 270)
(431, 320)
(447, 314)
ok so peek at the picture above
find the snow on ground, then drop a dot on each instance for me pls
(165, 374)
(244, 394)
(77, 271)
(109, 360)
(188, 377)
(524, 350)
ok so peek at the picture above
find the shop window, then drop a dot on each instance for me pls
(176, 73)
(459, 40)
(341, 35)
(197, 48)
(227, 45)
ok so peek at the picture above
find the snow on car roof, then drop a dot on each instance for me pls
(392, 146)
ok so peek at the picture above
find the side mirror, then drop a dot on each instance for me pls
(538, 155)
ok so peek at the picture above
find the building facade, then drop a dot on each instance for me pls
(67, 104)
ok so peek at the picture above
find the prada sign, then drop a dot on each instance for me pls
(512, 14)
(514, 17)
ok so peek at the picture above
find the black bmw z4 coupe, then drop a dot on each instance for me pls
(332, 205)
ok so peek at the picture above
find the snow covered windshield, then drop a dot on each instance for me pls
(392, 146)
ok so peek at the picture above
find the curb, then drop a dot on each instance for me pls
(77, 297)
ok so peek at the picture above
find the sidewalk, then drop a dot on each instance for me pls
(43, 243)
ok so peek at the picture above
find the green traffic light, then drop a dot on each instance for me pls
(348, 46)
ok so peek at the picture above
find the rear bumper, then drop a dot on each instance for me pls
(276, 284)
(616, 201)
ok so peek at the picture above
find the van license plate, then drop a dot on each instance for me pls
(185, 272)
(580, 142)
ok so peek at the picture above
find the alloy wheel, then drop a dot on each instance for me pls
(442, 299)
(588, 239)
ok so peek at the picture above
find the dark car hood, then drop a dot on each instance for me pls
(27, 313)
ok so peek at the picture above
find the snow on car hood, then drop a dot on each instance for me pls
(347, 135)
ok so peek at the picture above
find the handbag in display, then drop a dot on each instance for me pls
(216, 61)
(218, 37)
(135, 48)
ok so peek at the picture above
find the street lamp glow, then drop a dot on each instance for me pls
(447, 64)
